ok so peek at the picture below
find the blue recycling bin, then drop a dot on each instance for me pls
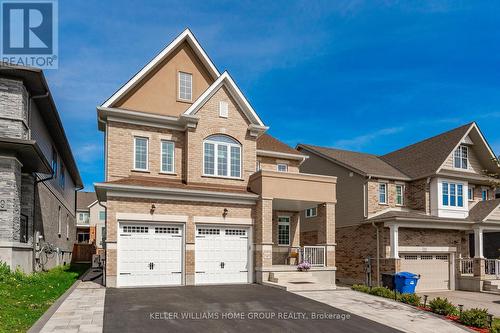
(406, 282)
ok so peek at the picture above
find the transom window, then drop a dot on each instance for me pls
(282, 167)
(167, 156)
(461, 155)
(236, 232)
(166, 230)
(312, 212)
(399, 195)
(208, 231)
(283, 230)
(135, 229)
(140, 153)
(453, 195)
(222, 157)
(382, 193)
(185, 86)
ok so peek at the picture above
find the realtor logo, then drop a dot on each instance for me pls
(29, 33)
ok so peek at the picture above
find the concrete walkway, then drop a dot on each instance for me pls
(394, 314)
(81, 312)
(470, 299)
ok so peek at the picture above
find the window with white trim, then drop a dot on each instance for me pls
(140, 153)
(484, 194)
(311, 212)
(283, 230)
(223, 109)
(185, 86)
(452, 194)
(382, 193)
(222, 157)
(167, 156)
(282, 167)
(400, 189)
(470, 193)
(460, 159)
(102, 215)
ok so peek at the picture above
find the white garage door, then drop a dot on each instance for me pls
(149, 255)
(221, 255)
(434, 270)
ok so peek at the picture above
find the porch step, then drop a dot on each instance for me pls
(492, 286)
(492, 282)
(313, 286)
(291, 277)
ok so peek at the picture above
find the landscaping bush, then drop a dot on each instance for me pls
(442, 306)
(412, 299)
(361, 287)
(382, 291)
(475, 318)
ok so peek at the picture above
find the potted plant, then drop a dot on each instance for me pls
(304, 266)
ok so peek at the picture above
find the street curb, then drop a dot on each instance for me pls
(40, 323)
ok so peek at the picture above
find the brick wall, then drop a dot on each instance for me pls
(374, 204)
(270, 163)
(418, 195)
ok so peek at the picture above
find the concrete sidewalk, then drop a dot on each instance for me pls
(81, 312)
(394, 314)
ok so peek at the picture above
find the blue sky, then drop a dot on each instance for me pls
(362, 75)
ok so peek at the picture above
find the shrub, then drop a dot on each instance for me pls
(442, 306)
(361, 287)
(382, 291)
(475, 318)
(412, 299)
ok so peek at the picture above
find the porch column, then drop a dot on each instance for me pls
(394, 239)
(478, 243)
(264, 233)
(326, 234)
(295, 230)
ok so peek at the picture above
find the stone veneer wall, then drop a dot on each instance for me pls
(14, 109)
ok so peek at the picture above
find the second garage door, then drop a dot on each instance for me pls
(222, 255)
(434, 270)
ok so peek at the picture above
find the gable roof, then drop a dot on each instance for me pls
(426, 157)
(483, 209)
(84, 200)
(364, 164)
(266, 142)
(226, 80)
(187, 36)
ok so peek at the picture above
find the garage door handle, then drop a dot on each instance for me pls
(243, 271)
(176, 235)
(176, 272)
(200, 272)
(125, 273)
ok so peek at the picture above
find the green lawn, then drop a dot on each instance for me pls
(496, 325)
(24, 298)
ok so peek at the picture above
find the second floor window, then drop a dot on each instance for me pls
(312, 212)
(62, 178)
(167, 156)
(484, 195)
(399, 195)
(382, 193)
(222, 156)
(140, 153)
(282, 167)
(83, 217)
(453, 194)
(460, 160)
(470, 191)
(185, 86)
(102, 215)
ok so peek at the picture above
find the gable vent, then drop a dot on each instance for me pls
(223, 109)
(467, 141)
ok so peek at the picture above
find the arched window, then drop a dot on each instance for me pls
(221, 156)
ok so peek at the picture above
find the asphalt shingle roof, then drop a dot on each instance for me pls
(482, 209)
(267, 142)
(84, 199)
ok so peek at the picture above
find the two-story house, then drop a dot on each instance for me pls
(417, 209)
(38, 174)
(90, 220)
(195, 190)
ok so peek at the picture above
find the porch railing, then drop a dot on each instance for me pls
(492, 267)
(315, 255)
(466, 266)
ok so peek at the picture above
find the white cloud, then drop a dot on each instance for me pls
(358, 142)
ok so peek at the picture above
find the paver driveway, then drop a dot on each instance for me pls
(224, 309)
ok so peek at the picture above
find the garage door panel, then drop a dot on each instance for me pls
(434, 270)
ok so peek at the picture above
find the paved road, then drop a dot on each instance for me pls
(225, 309)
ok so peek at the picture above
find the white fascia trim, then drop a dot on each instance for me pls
(281, 155)
(491, 213)
(414, 223)
(140, 118)
(428, 249)
(222, 220)
(226, 79)
(120, 217)
(117, 190)
(186, 35)
(92, 203)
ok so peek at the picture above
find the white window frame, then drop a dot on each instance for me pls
(161, 156)
(99, 215)
(470, 193)
(216, 154)
(402, 194)
(459, 154)
(223, 109)
(385, 193)
(147, 152)
(287, 223)
(59, 221)
(449, 194)
(179, 86)
(282, 164)
(311, 212)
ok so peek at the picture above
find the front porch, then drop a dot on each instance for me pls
(284, 237)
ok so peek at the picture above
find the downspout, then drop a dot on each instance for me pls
(105, 242)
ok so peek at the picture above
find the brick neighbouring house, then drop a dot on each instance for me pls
(428, 204)
(196, 191)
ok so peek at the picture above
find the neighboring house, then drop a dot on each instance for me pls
(38, 174)
(196, 192)
(90, 220)
(413, 209)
